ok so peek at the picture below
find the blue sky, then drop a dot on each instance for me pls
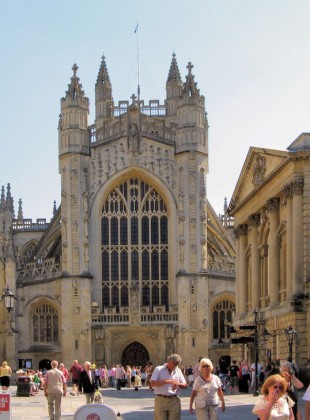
(251, 61)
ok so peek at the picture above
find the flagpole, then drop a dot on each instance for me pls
(138, 49)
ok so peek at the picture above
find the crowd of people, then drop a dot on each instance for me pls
(278, 385)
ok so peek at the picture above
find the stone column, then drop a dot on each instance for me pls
(287, 191)
(297, 237)
(274, 251)
(254, 220)
(241, 277)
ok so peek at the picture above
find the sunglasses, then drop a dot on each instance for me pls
(205, 366)
(278, 387)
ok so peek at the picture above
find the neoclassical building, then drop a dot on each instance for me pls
(134, 264)
(271, 207)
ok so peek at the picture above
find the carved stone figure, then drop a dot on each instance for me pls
(133, 138)
(259, 169)
(99, 352)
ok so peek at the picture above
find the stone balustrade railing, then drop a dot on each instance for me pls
(154, 318)
(29, 225)
(48, 268)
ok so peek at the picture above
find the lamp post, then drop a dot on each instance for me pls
(8, 297)
(256, 392)
(291, 337)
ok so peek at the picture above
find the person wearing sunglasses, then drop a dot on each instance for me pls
(207, 391)
(273, 404)
(167, 381)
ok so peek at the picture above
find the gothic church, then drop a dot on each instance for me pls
(135, 264)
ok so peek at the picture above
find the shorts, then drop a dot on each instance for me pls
(234, 381)
(5, 381)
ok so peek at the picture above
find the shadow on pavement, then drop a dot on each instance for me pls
(238, 412)
(127, 394)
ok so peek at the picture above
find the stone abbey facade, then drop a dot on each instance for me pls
(135, 264)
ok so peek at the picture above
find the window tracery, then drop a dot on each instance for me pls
(45, 324)
(222, 316)
(134, 245)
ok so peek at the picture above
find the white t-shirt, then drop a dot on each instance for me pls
(259, 368)
(206, 391)
(279, 411)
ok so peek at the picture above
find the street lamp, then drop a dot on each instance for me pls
(291, 337)
(8, 297)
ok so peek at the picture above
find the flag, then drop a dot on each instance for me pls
(136, 28)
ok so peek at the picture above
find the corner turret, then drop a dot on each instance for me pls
(73, 124)
(74, 155)
(191, 117)
(103, 91)
(174, 87)
(6, 221)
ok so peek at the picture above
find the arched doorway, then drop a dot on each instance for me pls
(44, 364)
(135, 355)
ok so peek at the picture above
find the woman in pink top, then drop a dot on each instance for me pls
(64, 371)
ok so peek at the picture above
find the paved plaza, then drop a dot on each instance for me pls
(130, 405)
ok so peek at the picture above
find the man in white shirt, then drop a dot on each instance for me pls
(119, 376)
(55, 387)
(167, 381)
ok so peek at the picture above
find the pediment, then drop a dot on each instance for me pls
(258, 168)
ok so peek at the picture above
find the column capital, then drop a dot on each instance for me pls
(241, 230)
(254, 220)
(273, 204)
(287, 191)
(297, 186)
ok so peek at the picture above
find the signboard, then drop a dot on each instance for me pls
(5, 407)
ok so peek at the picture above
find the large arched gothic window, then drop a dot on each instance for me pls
(222, 315)
(134, 245)
(45, 324)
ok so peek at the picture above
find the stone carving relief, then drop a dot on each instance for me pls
(109, 160)
(134, 302)
(99, 352)
(181, 226)
(221, 264)
(86, 256)
(259, 170)
(181, 253)
(170, 347)
(99, 334)
(204, 254)
(133, 138)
